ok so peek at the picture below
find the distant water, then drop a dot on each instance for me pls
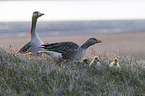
(69, 28)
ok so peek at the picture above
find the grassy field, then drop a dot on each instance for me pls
(28, 75)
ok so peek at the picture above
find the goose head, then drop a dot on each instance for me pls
(90, 41)
(96, 58)
(115, 59)
(93, 41)
(85, 60)
(37, 14)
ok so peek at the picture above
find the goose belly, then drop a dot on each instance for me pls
(38, 42)
(35, 45)
(52, 53)
(80, 54)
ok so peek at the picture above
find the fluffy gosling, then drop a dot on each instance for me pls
(115, 65)
(95, 61)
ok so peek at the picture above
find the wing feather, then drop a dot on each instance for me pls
(24, 48)
(61, 47)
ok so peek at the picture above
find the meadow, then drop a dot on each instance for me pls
(29, 75)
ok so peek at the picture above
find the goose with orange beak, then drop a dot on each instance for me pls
(68, 50)
(33, 46)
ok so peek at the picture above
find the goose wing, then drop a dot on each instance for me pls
(61, 47)
(24, 49)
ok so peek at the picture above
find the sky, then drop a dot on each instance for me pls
(73, 10)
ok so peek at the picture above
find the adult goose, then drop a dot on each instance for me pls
(35, 42)
(68, 50)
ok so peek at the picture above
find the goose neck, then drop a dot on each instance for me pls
(85, 45)
(33, 27)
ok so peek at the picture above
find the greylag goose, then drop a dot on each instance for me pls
(115, 65)
(95, 61)
(35, 42)
(68, 50)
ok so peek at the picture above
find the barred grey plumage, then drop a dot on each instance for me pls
(69, 50)
(35, 42)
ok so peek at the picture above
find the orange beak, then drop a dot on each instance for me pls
(99, 41)
(40, 14)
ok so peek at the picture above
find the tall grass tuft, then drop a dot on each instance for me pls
(28, 75)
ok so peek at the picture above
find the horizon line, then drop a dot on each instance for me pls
(79, 20)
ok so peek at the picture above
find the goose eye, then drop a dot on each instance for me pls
(94, 39)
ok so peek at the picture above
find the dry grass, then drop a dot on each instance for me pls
(28, 75)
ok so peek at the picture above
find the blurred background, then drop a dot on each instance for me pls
(120, 24)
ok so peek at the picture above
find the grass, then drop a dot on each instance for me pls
(28, 75)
